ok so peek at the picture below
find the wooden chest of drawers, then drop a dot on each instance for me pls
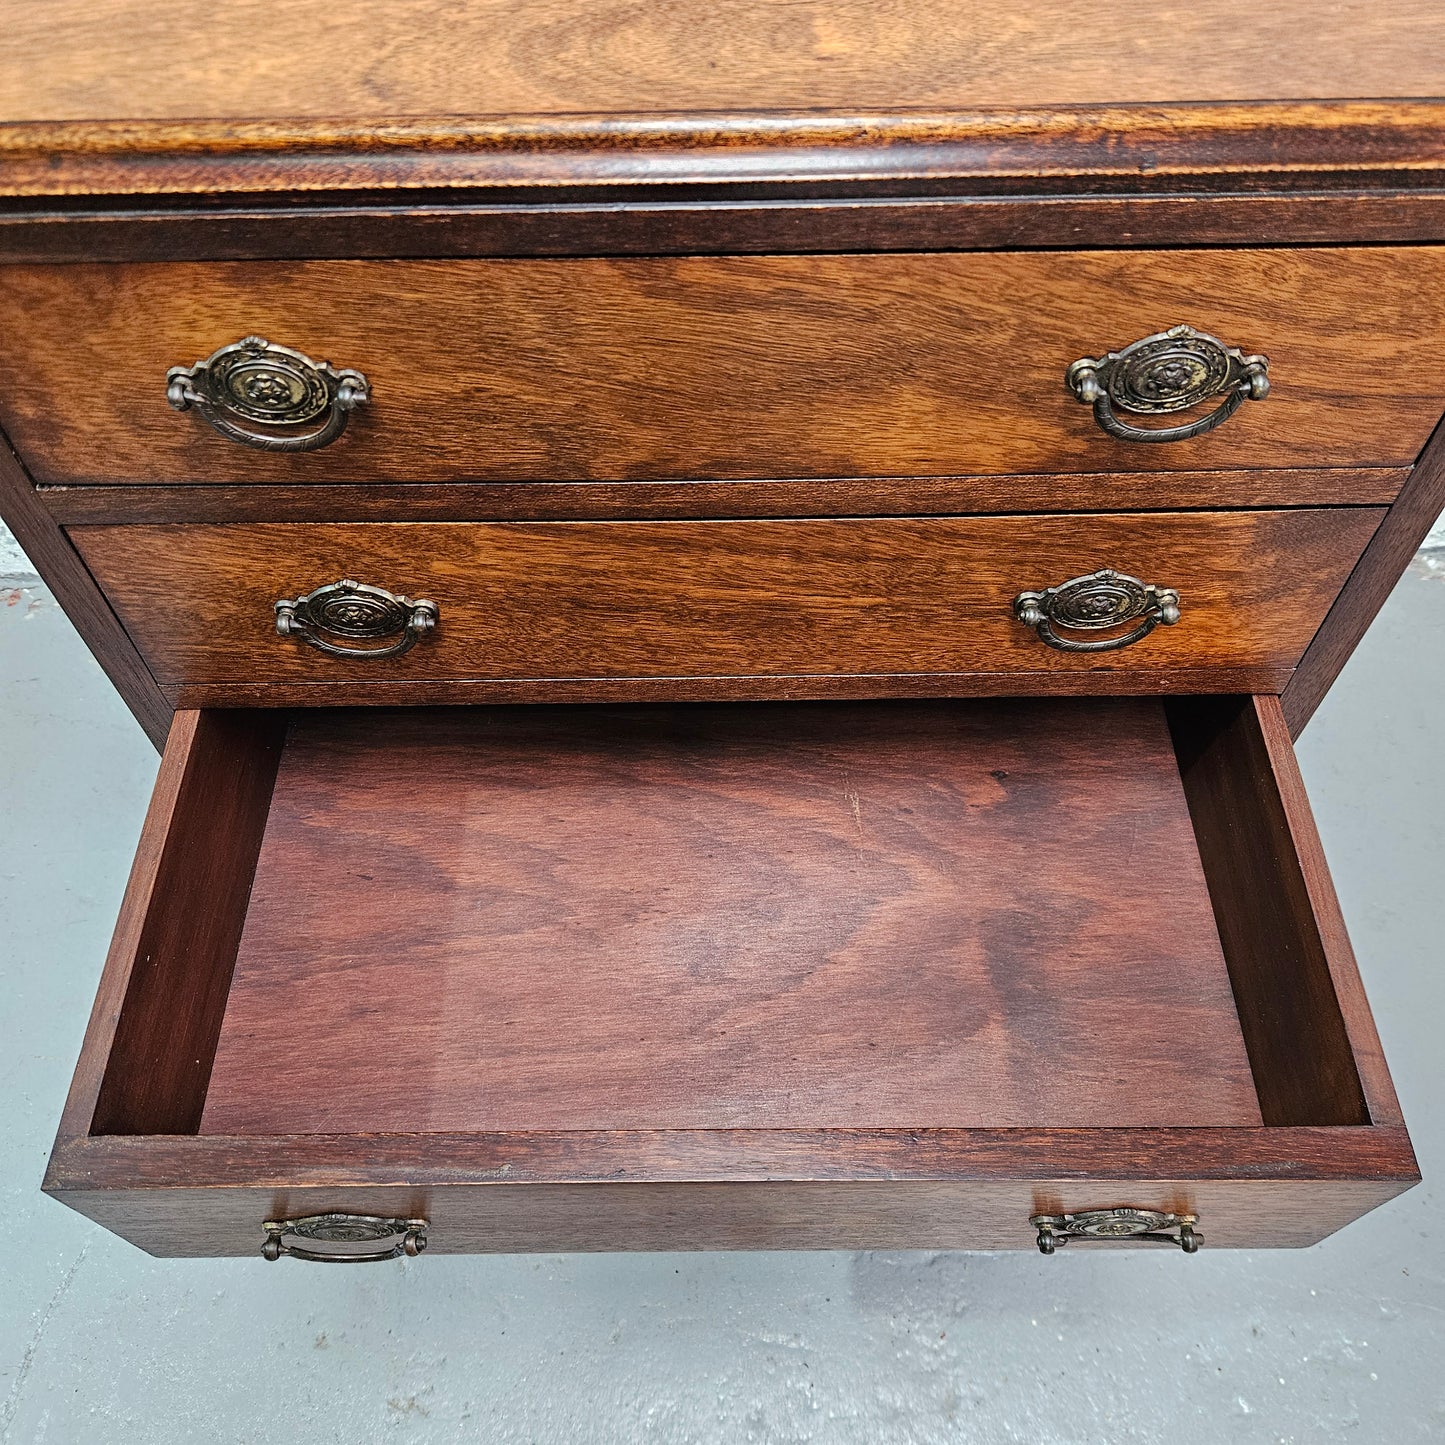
(726, 592)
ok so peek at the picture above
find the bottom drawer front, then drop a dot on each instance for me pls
(777, 976)
(221, 1221)
(890, 596)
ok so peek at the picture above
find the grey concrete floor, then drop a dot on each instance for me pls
(99, 1343)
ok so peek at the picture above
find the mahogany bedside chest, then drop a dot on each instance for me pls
(725, 587)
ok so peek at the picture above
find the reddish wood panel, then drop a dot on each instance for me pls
(722, 367)
(170, 801)
(714, 599)
(1333, 1154)
(887, 916)
(124, 58)
(1319, 890)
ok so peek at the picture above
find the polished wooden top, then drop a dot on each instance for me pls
(135, 59)
(120, 96)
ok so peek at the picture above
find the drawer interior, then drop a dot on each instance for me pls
(894, 915)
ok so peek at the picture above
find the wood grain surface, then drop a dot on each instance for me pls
(722, 367)
(1278, 148)
(125, 59)
(1344, 976)
(888, 915)
(1395, 542)
(524, 128)
(169, 801)
(1331, 1154)
(712, 599)
(47, 547)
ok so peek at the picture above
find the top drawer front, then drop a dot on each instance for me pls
(722, 367)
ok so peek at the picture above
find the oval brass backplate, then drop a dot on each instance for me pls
(268, 396)
(1126, 1224)
(1072, 616)
(356, 612)
(1168, 372)
(344, 1238)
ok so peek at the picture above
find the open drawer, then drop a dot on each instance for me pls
(944, 974)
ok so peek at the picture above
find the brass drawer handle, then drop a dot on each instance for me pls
(1168, 372)
(1137, 1226)
(268, 396)
(362, 1238)
(354, 611)
(1105, 600)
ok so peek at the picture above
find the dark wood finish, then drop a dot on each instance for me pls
(1288, 1006)
(809, 497)
(738, 366)
(817, 916)
(303, 228)
(121, 58)
(176, 958)
(1283, 1184)
(1373, 579)
(677, 599)
(1102, 176)
(74, 588)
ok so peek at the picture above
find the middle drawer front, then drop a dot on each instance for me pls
(773, 599)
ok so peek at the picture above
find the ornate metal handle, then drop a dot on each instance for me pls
(1168, 372)
(360, 1238)
(1101, 601)
(268, 396)
(1137, 1226)
(353, 610)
